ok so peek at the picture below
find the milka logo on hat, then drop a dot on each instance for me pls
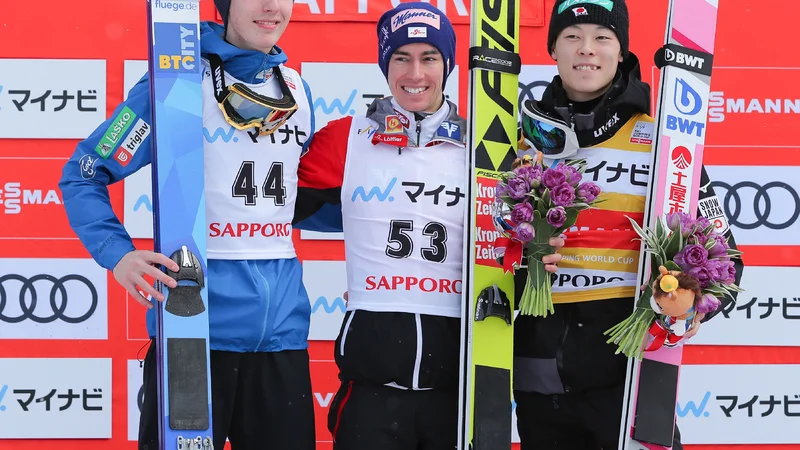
(607, 4)
(415, 16)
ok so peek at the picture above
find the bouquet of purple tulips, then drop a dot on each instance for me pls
(687, 245)
(534, 203)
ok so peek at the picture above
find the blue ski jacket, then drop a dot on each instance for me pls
(254, 305)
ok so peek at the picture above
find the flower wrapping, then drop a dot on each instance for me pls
(692, 249)
(534, 203)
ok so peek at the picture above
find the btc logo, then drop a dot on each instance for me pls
(176, 47)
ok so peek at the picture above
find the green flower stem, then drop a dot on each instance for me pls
(629, 335)
(537, 298)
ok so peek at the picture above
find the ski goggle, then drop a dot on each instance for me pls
(244, 108)
(554, 138)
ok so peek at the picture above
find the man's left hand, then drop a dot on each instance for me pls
(551, 261)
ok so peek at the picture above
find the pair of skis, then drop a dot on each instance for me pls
(485, 405)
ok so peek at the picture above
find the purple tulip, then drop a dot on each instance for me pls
(680, 261)
(717, 250)
(588, 192)
(563, 195)
(557, 216)
(714, 267)
(501, 191)
(695, 255)
(525, 232)
(702, 275)
(728, 272)
(673, 221)
(552, 178)
(522, 212)
(687, 225)
(531, 174)
(702, 223)
(517, 188)
(573, 176)
(707, 303)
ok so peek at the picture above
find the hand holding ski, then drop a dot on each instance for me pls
(130, 270)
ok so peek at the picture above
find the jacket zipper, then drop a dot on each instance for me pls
(419, 131)
(266, 310)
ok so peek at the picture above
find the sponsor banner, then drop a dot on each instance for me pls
(767, 313)
(531, 11)
(53, 299)
(326, 282)
(739, 404)
(34, 104)
(138, 200)
(135, 398)
(55, 398)
(737, 102)
(138, 187)
(334, 99)
(761, 203)
(30, 201)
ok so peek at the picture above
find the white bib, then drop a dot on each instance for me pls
(251, 180)
(403, 217)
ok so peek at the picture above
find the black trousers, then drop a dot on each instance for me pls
(370, 417)
(585, 421)
(260, 401)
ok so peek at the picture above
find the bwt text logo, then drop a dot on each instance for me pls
(688, 103)
(696, 409)
(178, 47)
(329, 307)
(382, 194)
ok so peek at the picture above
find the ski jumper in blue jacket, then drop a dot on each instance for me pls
(255, 305)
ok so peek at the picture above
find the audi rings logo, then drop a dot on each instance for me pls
(37, 290)
(775, 205)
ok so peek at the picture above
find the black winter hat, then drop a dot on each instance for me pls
(609, 13)
(224, 7)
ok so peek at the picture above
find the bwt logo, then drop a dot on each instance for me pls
(695, 409)
(382, 194)
(172, 57)
(329, 307)
(687, 102)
